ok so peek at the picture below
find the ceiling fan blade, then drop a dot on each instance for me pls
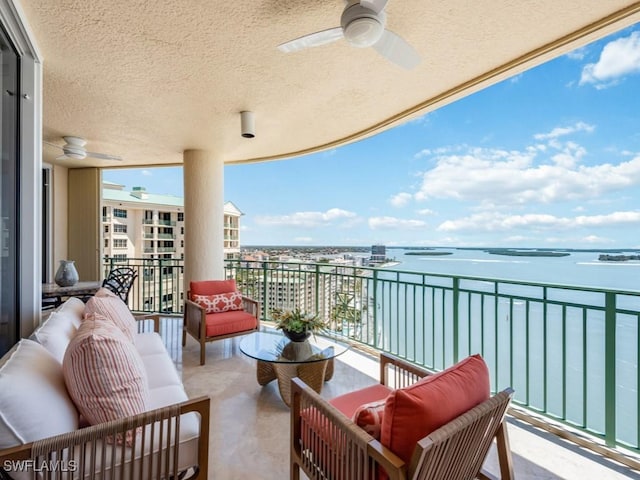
(51, 144)
(312, 40)
(375, 5)
(395, 49)
(103, 156)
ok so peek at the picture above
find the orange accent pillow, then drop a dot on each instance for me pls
(223, 302)
(369, 417)
(212, 287)
(414, 412)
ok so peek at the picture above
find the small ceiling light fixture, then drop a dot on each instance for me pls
(247, 124)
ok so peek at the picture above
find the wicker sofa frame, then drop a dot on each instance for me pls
(342, 450)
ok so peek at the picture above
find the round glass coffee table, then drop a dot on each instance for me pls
(281, 359)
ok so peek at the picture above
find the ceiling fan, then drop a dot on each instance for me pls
(74, 149)
(362, 24)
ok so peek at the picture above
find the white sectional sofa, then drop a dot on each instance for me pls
(42, 431)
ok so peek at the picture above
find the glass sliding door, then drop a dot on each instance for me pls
(9, 193)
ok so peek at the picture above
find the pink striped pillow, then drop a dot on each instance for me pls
(111, 306)
(104, 373)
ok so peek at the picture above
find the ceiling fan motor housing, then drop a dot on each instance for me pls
(361, 26)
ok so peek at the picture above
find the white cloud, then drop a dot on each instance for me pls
(376, 223)
(401, 199)
(618, 58)
(425, 212)
(499, 222)
(147, 173)
(307, 219)
(516, 78)
(596, 240)
(562, 131)
(577, 54)
(490, 177)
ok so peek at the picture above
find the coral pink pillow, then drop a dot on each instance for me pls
(109, 305)
(369, 417)
(212, 287)
(414, 412)
(104, 373)
(223, 302)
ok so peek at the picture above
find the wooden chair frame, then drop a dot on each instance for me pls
(195, 323)
(342, 450)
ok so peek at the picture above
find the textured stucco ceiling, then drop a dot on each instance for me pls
(147, 80)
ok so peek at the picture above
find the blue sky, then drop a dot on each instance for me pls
(549, 158)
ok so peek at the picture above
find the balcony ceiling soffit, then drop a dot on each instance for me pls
(147, 80)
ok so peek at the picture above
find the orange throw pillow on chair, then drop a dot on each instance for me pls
(414, 412)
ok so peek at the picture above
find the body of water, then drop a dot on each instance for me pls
(578, 268)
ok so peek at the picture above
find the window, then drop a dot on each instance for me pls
(106, 229)
(106, 243)
(182, 243)
(119, 213)
(9, 193)
(181, 230)
(119, 228)
(119, 243)
(120, 257)
(181, 216)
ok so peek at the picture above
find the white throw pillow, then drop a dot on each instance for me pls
(56, 333)
(34, 402)
(73, 306)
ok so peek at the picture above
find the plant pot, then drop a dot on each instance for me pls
(296, 336)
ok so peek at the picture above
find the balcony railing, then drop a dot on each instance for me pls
(570, 352)
(155, 221)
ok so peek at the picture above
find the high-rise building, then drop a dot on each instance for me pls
(378, 254)
(138, 224)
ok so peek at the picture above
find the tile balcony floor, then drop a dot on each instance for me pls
(250, 424)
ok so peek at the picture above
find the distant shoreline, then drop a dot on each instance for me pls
(429, 253)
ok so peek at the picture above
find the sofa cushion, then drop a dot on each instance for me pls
(229, 322)
(56, 333)
(104, 373)
(160, 370)
(109, 305)
(34, 402)
(413, 412)
(212, 287)
(222, 302)
(149, 343)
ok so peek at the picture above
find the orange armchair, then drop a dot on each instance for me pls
(214, 310)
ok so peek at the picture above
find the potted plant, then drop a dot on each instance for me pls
(296, 325)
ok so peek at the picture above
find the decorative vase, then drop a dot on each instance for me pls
(296, 336)
(67, 275)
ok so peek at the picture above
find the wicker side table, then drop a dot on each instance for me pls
(281, 359)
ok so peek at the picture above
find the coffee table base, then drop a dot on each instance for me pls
(313, 374)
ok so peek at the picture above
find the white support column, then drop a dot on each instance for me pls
(203, 216)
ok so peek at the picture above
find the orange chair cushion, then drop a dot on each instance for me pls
(229, 322)
(413, 412)
(350, 402)
(211, 287)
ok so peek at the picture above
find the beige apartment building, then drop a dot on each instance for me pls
(143, 225)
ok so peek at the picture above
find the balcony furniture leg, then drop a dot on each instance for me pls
(265, 373)
(313, 374)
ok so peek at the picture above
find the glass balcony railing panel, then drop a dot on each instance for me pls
(106, 218)
(170, 223)
(149, 236)
(570, 353)
(149, 221)
(167, 236)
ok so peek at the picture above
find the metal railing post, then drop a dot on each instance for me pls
(161, 277)
(610, 369)
(375, 308)
(456, 318)
(265, 298)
